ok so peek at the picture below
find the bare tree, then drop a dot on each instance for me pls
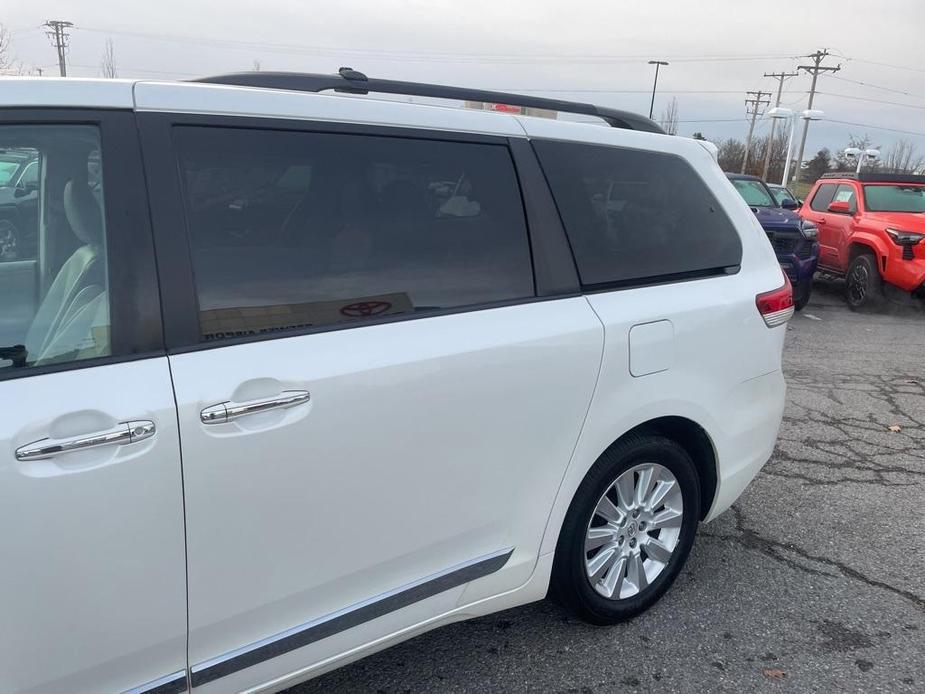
(903, 157)
(256, 67)
(669, 119)
(842, 163)
(730, 153)
(776, 162)
(6, 58)
(108, 61)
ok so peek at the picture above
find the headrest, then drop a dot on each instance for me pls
(83, 212)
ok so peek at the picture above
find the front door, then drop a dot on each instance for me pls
(818, 213)
(92, 586)
(377, 410)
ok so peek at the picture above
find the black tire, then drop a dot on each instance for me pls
(802, 297)
(570, 582)
(864, 285)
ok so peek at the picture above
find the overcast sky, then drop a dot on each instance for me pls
(590, 50)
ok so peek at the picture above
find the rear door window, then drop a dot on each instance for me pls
(292, 230)
(635, 216)
(823, 197)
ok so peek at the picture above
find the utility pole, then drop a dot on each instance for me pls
(57, 32)
(756, 101)
(780, 76)
(814, 70)
(657, 64)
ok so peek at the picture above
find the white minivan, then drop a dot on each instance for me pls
(288, 377)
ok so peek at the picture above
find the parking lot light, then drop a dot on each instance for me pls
(785, 113)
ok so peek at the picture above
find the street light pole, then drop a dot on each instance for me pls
(657, 64)
(778, 113)
(793, 126)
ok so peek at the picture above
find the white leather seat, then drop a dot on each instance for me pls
(82, 277)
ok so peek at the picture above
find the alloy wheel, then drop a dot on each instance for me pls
(633, 531)
(858, 282)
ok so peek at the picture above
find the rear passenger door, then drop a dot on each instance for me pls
(92, 586)
(378, 389)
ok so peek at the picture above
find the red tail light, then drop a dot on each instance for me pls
(776, 306)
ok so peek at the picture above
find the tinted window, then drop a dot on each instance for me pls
(781, 195)
(895, 198)
(291, 230)
(634, 215)
(823, 197)
(56, 203)
(754, 193)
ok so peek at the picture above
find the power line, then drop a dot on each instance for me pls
(876, 127)
(877, 86)
(421, 56)
(890, 65)
(871, 100)
(815, 69)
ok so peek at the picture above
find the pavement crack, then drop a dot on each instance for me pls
(774, 548)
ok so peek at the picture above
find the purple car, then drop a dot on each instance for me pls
(794, 240)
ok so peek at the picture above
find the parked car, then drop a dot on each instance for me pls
(785, 197)
(794, 240)
(281, 396)
(19, 184)
(871, 227)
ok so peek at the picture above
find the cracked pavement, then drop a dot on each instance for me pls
(814, 581)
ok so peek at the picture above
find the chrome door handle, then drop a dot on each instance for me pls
(227, 411)
(123, 433)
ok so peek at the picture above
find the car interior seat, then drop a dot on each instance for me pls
(81, 279)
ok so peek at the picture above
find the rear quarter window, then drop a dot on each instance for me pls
(635, 216)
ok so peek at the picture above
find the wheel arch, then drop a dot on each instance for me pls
(683, 430)
(694, 439)
(865, 243)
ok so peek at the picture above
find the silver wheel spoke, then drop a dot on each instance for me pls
(666, 518)
(625, 491)
(636, 573)
(644, 484)
(608, 511)
(597, 537)
(659, 493)
(657, 550)
(600, 563)
(613, 581)
(636, 543)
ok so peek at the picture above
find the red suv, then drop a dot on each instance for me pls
(871, 231)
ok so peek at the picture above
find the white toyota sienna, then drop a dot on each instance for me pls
(288, 377)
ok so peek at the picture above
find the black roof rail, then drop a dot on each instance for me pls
(873, 177)
(353, 82)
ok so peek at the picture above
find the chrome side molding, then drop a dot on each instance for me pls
(174, 683)
(347, 618)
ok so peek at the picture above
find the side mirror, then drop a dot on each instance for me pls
(840, 207)
(789, 204)
(25, 189)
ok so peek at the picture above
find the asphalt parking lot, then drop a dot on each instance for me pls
(814, 581)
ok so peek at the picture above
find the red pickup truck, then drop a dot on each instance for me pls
(871, 232)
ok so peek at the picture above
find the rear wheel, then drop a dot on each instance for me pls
(863, 283)
(803, 294)
(628, 530)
